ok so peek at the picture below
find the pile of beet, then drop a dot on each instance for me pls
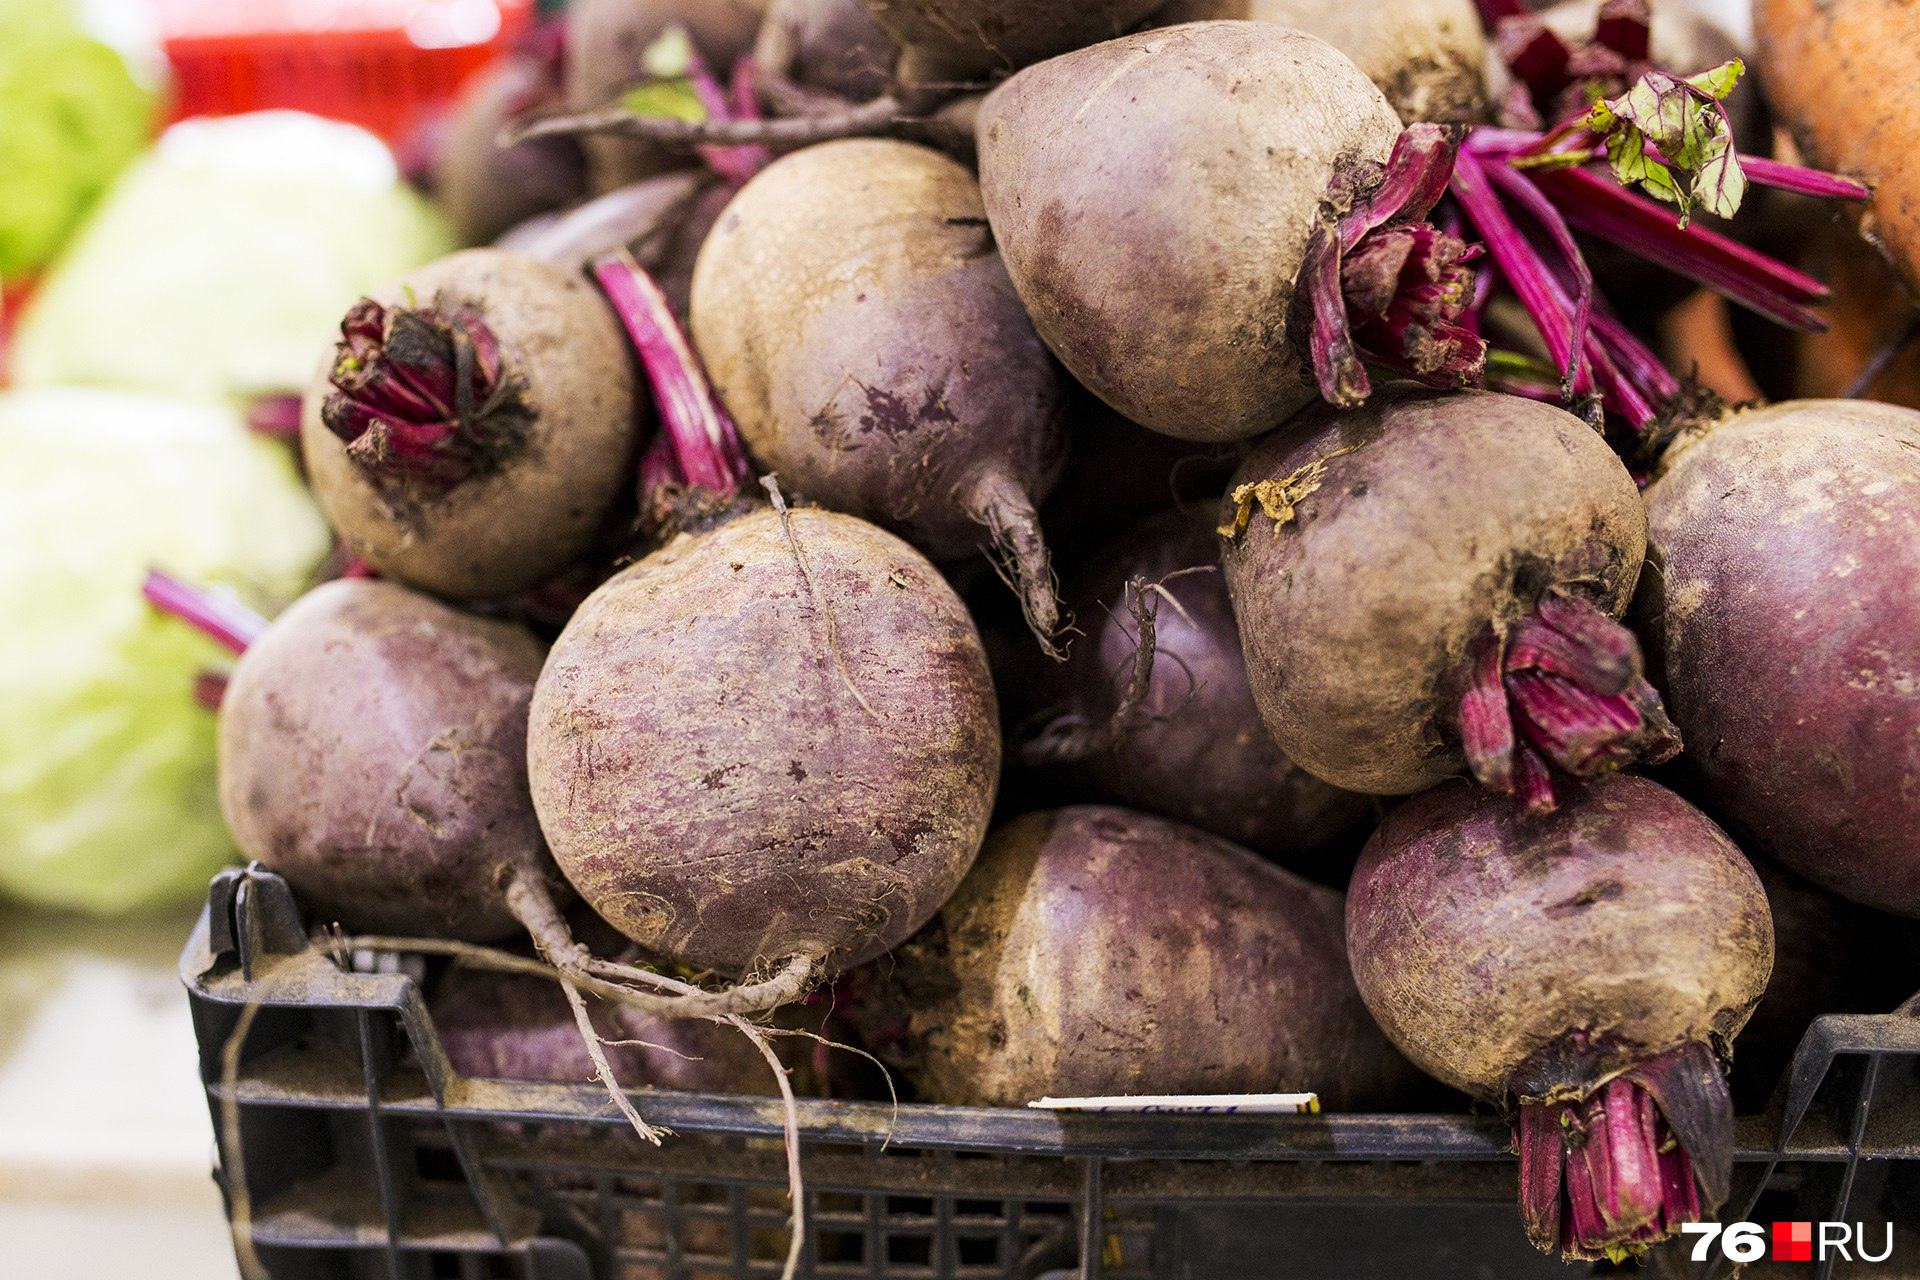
(706, 654)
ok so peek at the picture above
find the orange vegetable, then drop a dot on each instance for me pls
(1841, 74)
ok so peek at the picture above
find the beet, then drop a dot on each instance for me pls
(1118, 473)
(949, 40)
(1430, 582)
(475, 426)
(829, 46)
(373, 752)
(1195, 749)
(1784, 614)
(607, 41)
(773, 740)
(1427, 56)
(859, 326)
(1097, 951)
(485, 188)
(1583, 970)
(1158, 201)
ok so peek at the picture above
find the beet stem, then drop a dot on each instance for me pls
(277, 417)
(1336, 366)
(1575, 378)
(1607, 1175)
(210, 689)
(859, 120)
(1486, 726)
(1569, 636)
(420, 397)
(736, 164)
(219, 617)
(1563, 692)
(1386, 284)
(1526, 274)
(1599, 207)
(705, 442)
(1804, 181)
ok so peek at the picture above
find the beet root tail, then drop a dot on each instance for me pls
(1562, 695)
(1019, 553)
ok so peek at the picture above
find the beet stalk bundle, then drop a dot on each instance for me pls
(1526, 192)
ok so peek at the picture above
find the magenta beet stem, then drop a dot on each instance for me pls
(1525, 273)
(1796, 178)
(277, 417)
(736, 164)
(210, 689)
(1574, 376)
(1611, 1173)
(1385, 284)
(705, 442)
(219, 617)
(1602, 208)
(1804, 181)
(1563, 694)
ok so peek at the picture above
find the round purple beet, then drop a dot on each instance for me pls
(1097, 950)
(373, 751)
(1197, 751)
(1787, 617)
(1401, 568)
(1584, 970)
(739, 755)
(1480, 937)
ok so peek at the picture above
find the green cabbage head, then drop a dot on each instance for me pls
(221, 262)
(107, 787)
(71, 116)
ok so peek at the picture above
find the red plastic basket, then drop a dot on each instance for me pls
(386, 64)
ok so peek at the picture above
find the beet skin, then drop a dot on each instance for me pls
(1786, 615)
(1369, 552)
(1154, 198)
(1197, 750)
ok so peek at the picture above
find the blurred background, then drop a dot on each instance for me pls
(192, 192)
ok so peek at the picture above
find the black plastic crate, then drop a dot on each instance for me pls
(365, 1155)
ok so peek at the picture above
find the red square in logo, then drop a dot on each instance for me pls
(1793, 1242)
